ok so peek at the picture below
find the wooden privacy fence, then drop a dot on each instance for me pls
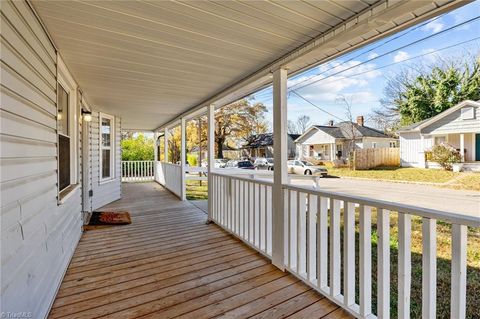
(374, 157)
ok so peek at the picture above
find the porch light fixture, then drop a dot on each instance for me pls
(87, 116)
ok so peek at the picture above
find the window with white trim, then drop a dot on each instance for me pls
(107, 147)
(67, 133)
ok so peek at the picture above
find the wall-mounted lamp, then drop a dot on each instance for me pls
(87, 116)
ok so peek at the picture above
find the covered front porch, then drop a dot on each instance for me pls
(170, 263)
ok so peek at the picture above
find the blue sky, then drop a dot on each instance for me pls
(337, 77)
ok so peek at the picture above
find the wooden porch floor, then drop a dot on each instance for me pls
(169, 264)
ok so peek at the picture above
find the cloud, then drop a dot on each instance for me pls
(372, 55)
(401, 56)
(434, 26)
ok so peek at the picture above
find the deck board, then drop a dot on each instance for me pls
(170, 264)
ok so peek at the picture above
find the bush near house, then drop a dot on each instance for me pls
(445, 155)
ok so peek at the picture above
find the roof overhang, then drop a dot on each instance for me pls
(153, 62)
(441, 115)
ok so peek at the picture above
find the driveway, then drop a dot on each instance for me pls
(453, 201)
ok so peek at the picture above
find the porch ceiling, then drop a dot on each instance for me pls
(150, 61)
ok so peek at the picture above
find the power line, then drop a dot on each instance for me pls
(371, 49)
(382, 67)
(395, 63)
(391, 51)
(318, 107)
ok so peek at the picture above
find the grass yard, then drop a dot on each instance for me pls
(443, 267)
(469, 182)
(397, 174)
(197, 190)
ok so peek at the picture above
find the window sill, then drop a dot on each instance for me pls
(66, 193)
(106, 181)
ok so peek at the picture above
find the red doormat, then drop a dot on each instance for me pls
(100, 220)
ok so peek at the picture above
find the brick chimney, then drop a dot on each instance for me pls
(330, 123)
(360, 120)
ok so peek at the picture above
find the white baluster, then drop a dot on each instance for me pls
(383, 272)
(349, 254)
(322, 242)
(365, 261)
(404, 265)
(459, 271)
(334, 247)
(429, 268)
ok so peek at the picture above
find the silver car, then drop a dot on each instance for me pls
(306, 168)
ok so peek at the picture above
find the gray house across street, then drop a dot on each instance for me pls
(458, 126)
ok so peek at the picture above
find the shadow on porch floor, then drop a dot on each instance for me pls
(169, 263)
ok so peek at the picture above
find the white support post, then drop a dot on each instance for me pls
(156, 156)
(165, 146)
(462, 147)
(280, 163)
(183, 161)
(211, 157)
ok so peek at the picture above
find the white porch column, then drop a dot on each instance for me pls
(211, 156)
(183, 161)
(462, 147)
(165, 146)
(280, 175)
(155, 155)
(332, 151)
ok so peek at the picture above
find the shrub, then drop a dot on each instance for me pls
(445, 155)
(192, 159)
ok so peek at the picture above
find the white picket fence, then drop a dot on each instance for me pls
(137, 171)
(313, 245)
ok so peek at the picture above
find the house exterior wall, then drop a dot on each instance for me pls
(38, 235)
(412, 149)
(453, 123)
(367, 142)
(104, 192)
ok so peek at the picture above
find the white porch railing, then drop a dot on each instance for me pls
(170, 176)
(243, 206)
(313, 245)
(137, 171)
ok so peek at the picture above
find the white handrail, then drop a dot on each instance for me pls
(312, 241)
(137, 171)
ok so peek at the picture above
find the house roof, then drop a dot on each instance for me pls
(415, 127)
(262, 140)
(343, 130)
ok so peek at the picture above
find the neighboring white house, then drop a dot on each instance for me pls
(458, 126)
(333, 141)
(261, 145)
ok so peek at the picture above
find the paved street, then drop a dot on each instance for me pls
(454, 201)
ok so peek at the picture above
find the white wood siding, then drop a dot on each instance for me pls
(453, 123)
(38, 236)
(104, 192)
(412, 149)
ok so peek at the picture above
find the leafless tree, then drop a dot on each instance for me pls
(351, 144)
(299, 126)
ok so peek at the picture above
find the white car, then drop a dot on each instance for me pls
(306, 168)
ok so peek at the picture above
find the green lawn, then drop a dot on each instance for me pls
(443, 267)
(197, 190)
(397, 174)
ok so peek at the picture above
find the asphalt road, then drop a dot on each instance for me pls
(428, 196)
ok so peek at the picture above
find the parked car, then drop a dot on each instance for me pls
(240, 164)
(306, 168)
(219, 163)
(263, 163)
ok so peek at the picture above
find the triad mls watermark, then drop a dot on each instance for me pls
(19, 314)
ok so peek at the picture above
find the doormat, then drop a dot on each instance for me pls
(100, 220)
